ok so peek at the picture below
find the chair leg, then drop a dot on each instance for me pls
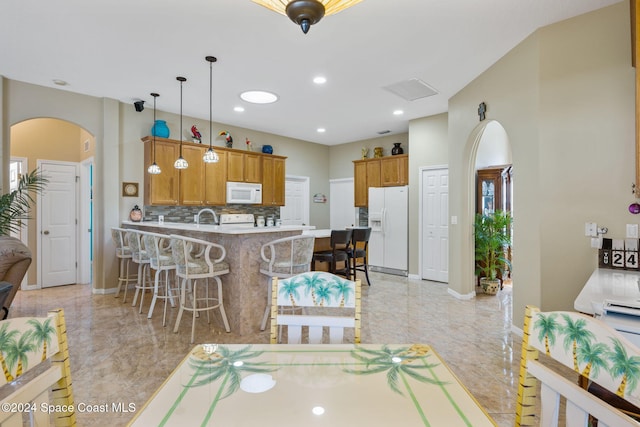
(366, 271)
(267, 310)
(221, 304)
(183, 297)
(138, 285)
(156, 290)
(195, 306)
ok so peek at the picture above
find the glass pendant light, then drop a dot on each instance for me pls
(181, 163)
(154, 169)
(210, 156)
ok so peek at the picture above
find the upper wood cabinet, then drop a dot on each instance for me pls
(192, 190)
(216, 180)
(390, 171)
(273, 181)
(164, 188)
(205, 184)
(244, 167)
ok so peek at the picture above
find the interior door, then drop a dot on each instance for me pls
(342, 211)
(296, 201)
(435, 229)
(58, 229)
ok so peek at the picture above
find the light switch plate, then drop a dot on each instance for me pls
(591, 229)
(632, 231)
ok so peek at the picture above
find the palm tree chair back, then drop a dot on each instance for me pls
(329, 304)
(36, 342)
(591, 348)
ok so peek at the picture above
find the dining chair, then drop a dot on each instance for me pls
(284, 258)
(161, 260)
(358, 250)
(196, 260)
(5, 290)
(339, 253)
(330, 305)
(40, 377)
(123, 254)
(596, 352)
(140, 256)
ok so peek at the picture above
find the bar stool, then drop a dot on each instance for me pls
(141, 257)
(360, 236)
(123, 253)
(340, 244)
(161, 260)
(193, 259)
(284, 258)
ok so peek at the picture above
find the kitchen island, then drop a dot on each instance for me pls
(244, 288)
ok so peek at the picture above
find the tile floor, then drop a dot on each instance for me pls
(118, 355)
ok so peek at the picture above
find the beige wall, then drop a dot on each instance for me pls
(565, 97)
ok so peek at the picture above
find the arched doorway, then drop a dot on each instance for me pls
(46, 143)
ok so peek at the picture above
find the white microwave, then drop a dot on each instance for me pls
(244, 192)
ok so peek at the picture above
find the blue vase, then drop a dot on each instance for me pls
(267, 149)
(160, 129)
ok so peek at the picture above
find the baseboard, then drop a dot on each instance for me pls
(460, 296)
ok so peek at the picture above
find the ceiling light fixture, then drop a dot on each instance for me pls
(259, 97)
(181, 163)
(238, 109)
(210, 156)
(320, 80)
(306, 12)
(154, 169)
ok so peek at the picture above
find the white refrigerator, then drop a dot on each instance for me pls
(388, 219)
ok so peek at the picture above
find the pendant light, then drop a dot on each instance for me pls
(181, 163)
(210, 156)
(154, 169)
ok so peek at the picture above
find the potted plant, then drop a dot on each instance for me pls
(15, 257)
(492, 237)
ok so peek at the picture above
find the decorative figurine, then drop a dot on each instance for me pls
(365, 153)
(196, 135)
(249, 146)
(229, 139)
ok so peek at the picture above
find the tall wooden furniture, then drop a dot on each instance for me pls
(493, 191)
(390, 171)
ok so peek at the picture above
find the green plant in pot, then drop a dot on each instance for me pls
(15, 257)
(492, 238)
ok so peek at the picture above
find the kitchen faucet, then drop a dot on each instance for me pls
(215, 217)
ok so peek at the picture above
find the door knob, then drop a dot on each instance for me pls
(45, 232)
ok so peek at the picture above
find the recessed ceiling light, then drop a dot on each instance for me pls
(60, 82)
(238, 109)
(259, 97)
(398, 112)
(319, 80)
(321, 130)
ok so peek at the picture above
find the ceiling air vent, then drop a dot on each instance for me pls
(411, 89)
(382, 132)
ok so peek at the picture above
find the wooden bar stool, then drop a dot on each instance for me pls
(340, 245)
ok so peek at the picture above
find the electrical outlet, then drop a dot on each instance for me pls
(632, 231)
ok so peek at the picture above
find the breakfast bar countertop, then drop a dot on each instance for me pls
(210, 228)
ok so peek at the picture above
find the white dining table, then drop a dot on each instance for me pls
(312, 385)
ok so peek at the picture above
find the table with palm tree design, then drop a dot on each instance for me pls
(310, 385)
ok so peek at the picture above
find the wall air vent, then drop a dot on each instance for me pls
(411, 89)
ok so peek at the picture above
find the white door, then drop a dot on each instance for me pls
(58, 229)
(342, 212)
(296, 201)
(434, 214)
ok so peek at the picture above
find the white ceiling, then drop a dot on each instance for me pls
(124, 49)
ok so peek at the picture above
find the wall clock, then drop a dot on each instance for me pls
(129, 189)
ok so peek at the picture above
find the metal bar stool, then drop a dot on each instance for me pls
(195, 260)
(123, 253)
(140, 256)
(161, 260)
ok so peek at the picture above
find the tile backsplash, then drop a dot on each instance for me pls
(185, 213)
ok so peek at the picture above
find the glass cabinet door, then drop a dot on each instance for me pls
(489, 191)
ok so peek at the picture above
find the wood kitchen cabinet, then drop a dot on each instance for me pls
(215, 188)
(273, 172)
(244, 167)
(388, 171)
(162, 189)
(192, 179)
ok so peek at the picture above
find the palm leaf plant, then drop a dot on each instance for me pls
(16, 205)
(492, 237)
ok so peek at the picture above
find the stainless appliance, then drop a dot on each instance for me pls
(237, 220)
(388, 218)
(623, 317)
(244, 193)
